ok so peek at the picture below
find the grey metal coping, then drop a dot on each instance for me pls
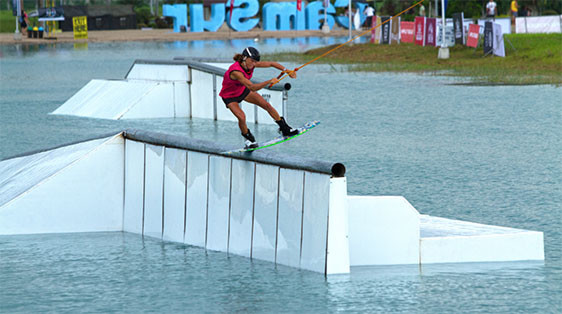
(195, 65)
(286, 161)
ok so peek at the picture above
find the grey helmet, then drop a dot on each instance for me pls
(251, 52)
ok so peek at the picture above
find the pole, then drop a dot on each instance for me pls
(349, 13)
(17, 34)
(444, 50)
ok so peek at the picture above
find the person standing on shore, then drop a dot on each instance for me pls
(236, 87)
(514, 11)
(491, 9)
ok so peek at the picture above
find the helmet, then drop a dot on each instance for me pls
(251, 52)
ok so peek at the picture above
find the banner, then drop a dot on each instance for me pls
(430, 26)
(378, 31)
(51, 13)
(458, 28)
(373, 29)
(407, 32)
(395, 30)
(488, 38)
(419, 30)
(504, 22)
(538, 24)
(449, 36)
(473, 35)
(385, 32)
(499, 49)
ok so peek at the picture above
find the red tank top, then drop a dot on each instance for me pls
(232, 88)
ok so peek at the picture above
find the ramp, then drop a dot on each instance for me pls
(76, 188)
(166, 89)
(287, 210)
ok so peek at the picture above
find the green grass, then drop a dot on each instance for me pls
(537, 60)
(7, 22)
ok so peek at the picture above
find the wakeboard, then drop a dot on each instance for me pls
(278, 140)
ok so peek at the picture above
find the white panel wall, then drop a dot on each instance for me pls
(275, 98)
(161, 72)
(383, 230)
(174, 194)
(223, 113)
(196, 201)
(153, 202)
(265, 213)
(134, 186)
(69, 200)
(202, 95)
(315, 221)
(241, 207)
(219, 203)
(182, 100)
(337, 259)
(291, 184)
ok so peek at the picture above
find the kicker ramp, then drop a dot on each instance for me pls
(284, 209)
(166, 89)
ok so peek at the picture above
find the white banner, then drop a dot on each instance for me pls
(499, 49)
(504, 22)
(538, 24)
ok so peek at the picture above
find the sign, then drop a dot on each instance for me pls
(378, 31)
(419, 30)
(449, 36)
(488, 38)
(395, 30)
(385, 38)
(407, 32)
(373, 29)
(277, 16)
(430, 31)
(80, 27)
(498, 47)
(538, 24)
(473, 35)
(458, 28)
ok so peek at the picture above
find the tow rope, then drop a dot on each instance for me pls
(286, 73)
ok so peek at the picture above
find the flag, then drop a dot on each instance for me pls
(299, 5)
(231, 8)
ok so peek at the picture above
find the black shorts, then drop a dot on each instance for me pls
(236, 99)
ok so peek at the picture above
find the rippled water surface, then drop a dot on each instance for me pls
(485, 154)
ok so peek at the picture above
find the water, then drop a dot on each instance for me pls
(483, 154)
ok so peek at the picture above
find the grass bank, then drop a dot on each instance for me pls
(537, 60)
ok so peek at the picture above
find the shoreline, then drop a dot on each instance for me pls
(167, 35)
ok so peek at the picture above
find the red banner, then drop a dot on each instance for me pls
(407, 32)
(299, 5)
(419, 31)
(473, 33)
(430, 31)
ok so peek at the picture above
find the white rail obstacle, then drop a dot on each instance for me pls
(286, 210)
(180, 88)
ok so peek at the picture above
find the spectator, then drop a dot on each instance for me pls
(491, 9)
(514, 10)
(24, 22)
(369, 13)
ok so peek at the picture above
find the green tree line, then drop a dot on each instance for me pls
(471, 8)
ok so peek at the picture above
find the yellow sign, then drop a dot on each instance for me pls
(80, 27)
